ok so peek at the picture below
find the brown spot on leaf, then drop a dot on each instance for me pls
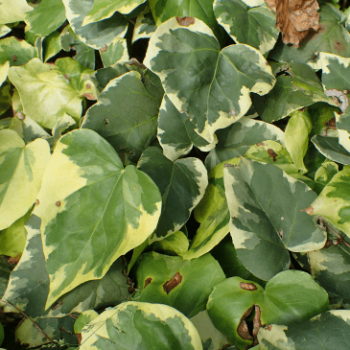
(104, 49)
(171, 284)
(106, 121)
(67, 77)
(88, 86)
(14, 58)
(339, 46)
(269, 327)
(20, 116)
(147, 282)
(309, 210)
(79, 337)
(232, 113)
(14, 259)
(185, 21)
(248, 286)
(37, 202)
(260, 144)
(272, 154)
(58, 203)
(90, 96)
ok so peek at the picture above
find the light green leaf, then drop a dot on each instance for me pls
(266, 219)
(114, 52)
(236, 140)
(95, 35)
(144, 25)
(175, 244)
(333, 38)
(21, 168)
(134, 325)
(4, 68)
(103, 9)
(120, 211)
(176, 133)
(13, 10)
(181, 183)
(289, 297)
(5, 97)
(252, 25)
(211, 85)
(46, 17)
(184, 285)
(324, 175)
(62, 125)
(84, 318)
(4, 30)
(328, 331)
(126, 116)
(297, 86)
(52, 45)
(45, 93)
(330, 148)
(333, 203)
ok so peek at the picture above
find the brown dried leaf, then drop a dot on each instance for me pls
(295, 18)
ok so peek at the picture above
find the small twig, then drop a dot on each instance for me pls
(26, 316)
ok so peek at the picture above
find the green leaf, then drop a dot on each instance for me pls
(266, 219)
(2, 334)
(13, 10)
(333, 203)
(297, 86)
(184, 285)
(4, 30)
(252, 25)
(236, 140)
(103, 9)
(175, 244)
(332, 38)
(330, 148)
(144, 25)
(343, 128)
(115, 52)
(46, 17)
(289, 297)
(329, 330)
(95, 35)
(211, 85)
(84, 318)
(135, 326)
(22, 168)
(126, 116)
(52, 45)
(176, 133)
(45, 93)
(120, 210)
(5, 272)
(324, 174)
(181, 183)
(5, 97)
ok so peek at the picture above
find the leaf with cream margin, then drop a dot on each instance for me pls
(175, 244)
(46, 17)
(13, 10)
(181, 183)
(328, 331)
(176, 133)
(343, 128)
(45, 93)
(21, 167)
(133, 325)
(266, 219)
(289, 297)
(4, 68)
(333, 203)
(95, 35)
(211, 85)
(144, 25)
(114, 52)
(182, 284)
(115, 210)
(103, 9)
(125, 115)
(212, 213)
(235, 140)
(324, 175)
(251, 25)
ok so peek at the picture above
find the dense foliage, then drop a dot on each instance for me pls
(199, 200)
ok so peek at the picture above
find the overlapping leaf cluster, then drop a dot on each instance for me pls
(214, 177)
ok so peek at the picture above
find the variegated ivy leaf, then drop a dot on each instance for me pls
(135, 325)
(333, 38)
(212, 213)
(330, 148)
(175, 244)
(170, 280)
(211, 85)
(176, 132)
(114, 52)
(21, 167)
(104, 9)
(46, 17)
(343, 128)
(181, 183)
(333, 203)
(297, 86)
(252, 25)
(115, 210)
(289, 297)
(235, 140)
(144, 25)
(13, 10)
(126, 116)
(96, 35)
(324, 175)
(266, 219)
(45, 93)
(328, 331)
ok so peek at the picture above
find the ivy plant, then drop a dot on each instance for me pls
(174, 174)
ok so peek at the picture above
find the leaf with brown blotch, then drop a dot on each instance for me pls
(295, 18)
(171, 284)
